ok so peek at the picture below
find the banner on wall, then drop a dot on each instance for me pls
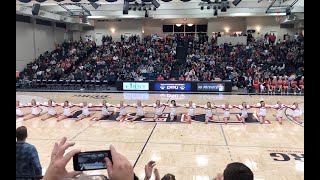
(213, 87)
(139, 86)
(172, 86)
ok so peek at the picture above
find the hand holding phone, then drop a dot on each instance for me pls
(119, 168)
(90, 160)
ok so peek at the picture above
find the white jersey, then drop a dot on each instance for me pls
(18, 111)
(173, 110)
(244, 111)
(85, 110)
(296, 111)
(67, 111)
(191, 109)
(226, 112)
(158, 110)
(51, 111)
(280, 110)
(208, 111)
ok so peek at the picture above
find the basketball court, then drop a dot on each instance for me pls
(195, 151)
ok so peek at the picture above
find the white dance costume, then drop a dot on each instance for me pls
(191, 109)
(139, 111)
(244, 111)
(262, 110)
(280, 110)
(66, 111)
(85, 110)
(122, 110)
(18, 110)
(157, 109)
(173, 110)
(51, 111)
(226, 112)
(296, 111)
(208, 111)
(104, 110)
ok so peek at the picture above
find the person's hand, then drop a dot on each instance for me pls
(156, 174)
(148, 169)
(219, 177)
(57, 168)
(120, 168)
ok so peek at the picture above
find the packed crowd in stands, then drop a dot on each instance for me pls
(155, 56)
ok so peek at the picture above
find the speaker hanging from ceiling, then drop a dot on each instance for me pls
(125, 7)
(95, 5)
(155, 3)
(236, 2)
(35, 9)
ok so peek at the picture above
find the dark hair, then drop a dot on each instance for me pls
(21, 133)
(174, 102)
(237, 171)
(168, 177)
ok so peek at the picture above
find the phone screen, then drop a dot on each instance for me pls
(90, 160)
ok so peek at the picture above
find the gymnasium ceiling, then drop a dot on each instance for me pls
(173, 9)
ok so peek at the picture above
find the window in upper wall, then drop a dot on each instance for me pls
(167, 28)
(21, 18)
(202, 28)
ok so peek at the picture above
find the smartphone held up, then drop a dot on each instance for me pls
(91, 160)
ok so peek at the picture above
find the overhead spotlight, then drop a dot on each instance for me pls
(146, 14)
(134, 8)
(95, 5)
(136, 3)
(155, 3)
(208, 7)
(125, 7)
(236, 2)
(201, 7)
(140, 8)
(154, 8)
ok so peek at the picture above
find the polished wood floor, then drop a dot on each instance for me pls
(194, 151)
